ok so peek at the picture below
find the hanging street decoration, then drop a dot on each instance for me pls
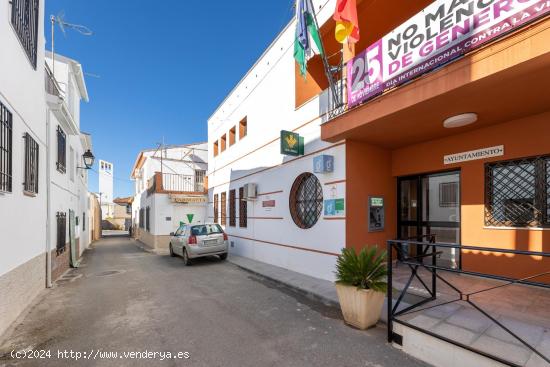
(347, 24)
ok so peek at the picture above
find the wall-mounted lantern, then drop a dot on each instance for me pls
(88, 159)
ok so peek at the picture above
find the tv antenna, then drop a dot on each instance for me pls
(63, 25)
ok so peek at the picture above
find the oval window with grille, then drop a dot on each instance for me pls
(306, 200)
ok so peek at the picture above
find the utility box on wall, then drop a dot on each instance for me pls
(323, 164)
(250, 191)
(376, 214)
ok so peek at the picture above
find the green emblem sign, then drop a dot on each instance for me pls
(376, 201)
(339, 206)
(190, 218)
(291, 143)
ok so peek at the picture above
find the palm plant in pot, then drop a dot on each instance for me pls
(361, 285)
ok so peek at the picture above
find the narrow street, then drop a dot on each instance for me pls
(123, 299)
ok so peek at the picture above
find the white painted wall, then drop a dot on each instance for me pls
(106, 173)
(22, 218)
(182, 160)
(266, 96)
(162, 208)
(69, 189)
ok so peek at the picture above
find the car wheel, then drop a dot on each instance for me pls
(186, 259)
(223, 256)
(171, 250)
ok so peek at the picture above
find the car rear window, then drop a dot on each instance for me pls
(206, 229)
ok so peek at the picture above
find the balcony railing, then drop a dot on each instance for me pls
(182, 183)
(52, 87)
(172, 182)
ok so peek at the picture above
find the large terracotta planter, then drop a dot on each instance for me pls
(361, 308)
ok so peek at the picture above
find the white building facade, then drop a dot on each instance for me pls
(106, 172)
(22, 208)
(33, 190)
(297, 218)
(70, 223)
(170, 189)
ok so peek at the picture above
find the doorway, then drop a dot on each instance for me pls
(429, 205)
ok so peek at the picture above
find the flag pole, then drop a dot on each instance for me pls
(328, 73)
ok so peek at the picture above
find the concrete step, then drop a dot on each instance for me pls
(467, 326)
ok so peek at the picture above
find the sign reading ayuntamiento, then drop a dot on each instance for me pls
(473, 155)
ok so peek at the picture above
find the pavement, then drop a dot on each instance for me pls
(143, 306)
(523, 310)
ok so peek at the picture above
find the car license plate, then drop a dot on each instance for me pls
(210, 242)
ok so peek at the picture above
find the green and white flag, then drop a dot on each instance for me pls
(307, 42)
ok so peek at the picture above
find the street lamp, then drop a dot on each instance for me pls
(88, 159)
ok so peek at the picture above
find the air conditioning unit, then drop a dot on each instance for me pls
(250, 191)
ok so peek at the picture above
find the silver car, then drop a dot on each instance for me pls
(197, 240)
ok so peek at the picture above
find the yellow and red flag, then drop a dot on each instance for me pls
(347, 25)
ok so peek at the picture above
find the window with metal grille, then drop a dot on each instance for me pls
(224, 209)
(517, 193)
(216, 210)
(199, 180)
(448, 194)
(31, 165)
(83, 221)
(24, 18)
(6, 147)
(147, 219)
(61, 231)
(243, 209)
(61, 150)
(306, 200)
(232, 209)
(141, 218)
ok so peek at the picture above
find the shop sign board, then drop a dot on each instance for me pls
(439, 34)
(334, 207)
(291, 143)
(323, 164)
(473, 155)
(268, 204)
(188, 199)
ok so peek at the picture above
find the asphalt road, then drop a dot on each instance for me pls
(125, 300)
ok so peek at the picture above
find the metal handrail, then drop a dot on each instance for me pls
(416, 262)
(473, 248)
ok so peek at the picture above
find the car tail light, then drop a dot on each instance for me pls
(192, 240)
(225, 236)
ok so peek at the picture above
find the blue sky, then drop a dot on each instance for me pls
(163, 67)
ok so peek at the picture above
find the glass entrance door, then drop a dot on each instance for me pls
(430, 205)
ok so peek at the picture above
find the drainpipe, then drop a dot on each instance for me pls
(48, 205)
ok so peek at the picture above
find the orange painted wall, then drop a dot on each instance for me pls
(368, 173)
(525, 137)
(372, 26)
(378, 18)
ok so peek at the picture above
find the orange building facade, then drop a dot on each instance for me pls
(486, 183)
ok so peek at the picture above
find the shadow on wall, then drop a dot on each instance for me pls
(111, 226)
(510, 265)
